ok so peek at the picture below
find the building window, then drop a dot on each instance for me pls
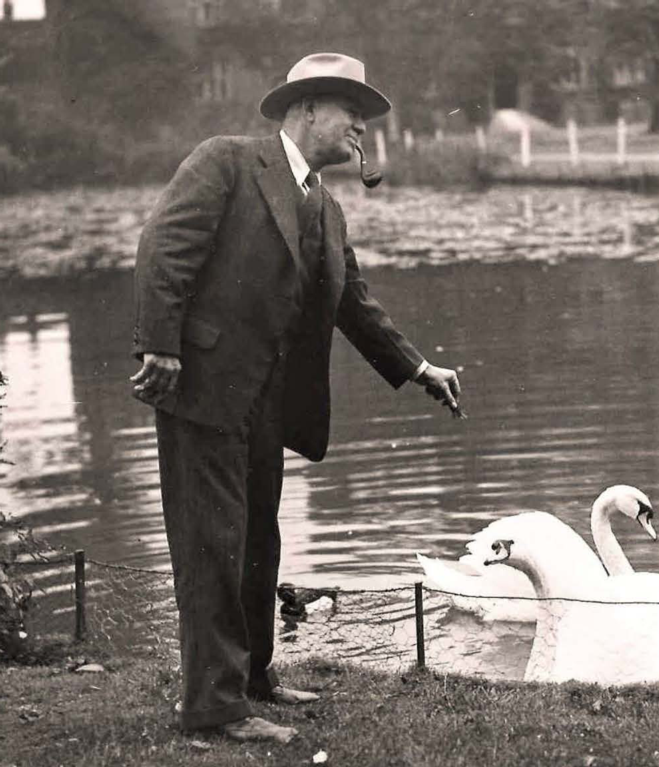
(628, 73)
(218, 82)
(574, 74)
(207, 13)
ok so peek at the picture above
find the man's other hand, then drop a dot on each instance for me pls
(157, 378)
(442, 384)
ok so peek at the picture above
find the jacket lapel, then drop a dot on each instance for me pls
(277, 186)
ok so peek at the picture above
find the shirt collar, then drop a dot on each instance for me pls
(299, 166)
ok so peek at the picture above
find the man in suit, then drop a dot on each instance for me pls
(243, 271)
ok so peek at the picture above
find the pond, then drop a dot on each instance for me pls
(545, 299)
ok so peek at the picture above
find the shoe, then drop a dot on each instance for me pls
(290, 697)
(254, 728)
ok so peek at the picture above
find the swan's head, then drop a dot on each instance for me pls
(631, 502)
(501, 552)
(538, 560)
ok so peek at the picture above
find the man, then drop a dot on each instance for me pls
(243, 271)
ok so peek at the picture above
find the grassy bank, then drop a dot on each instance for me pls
(124, 716)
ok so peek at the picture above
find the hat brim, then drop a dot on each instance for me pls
(371, 102)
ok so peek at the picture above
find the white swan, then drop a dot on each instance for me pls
(474, 588)
(632, 503)
(590, 627)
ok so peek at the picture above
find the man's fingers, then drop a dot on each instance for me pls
(157, 377)
(449, 398)
(443, 392)
(141, 374)
(454, 383)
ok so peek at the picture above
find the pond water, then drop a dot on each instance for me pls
(545, 299)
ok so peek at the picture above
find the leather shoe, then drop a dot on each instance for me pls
(290, 697)
(254, 728)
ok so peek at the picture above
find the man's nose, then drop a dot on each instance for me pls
(359, 126)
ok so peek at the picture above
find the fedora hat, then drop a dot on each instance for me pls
(325, 74)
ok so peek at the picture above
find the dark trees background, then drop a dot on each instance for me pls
(102, 95)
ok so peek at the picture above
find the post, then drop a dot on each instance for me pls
(408, 140)
(393, 129)
(573, 141)
(525, 145)
(380, 147)
(418, 611)
(481, 141)
(622, 141)
(81, 628)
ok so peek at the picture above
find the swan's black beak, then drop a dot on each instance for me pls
(501, 552)
(644, 518)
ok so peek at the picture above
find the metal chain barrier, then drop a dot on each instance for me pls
(132, 611)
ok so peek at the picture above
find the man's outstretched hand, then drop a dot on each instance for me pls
(157, 378)
(443, 385)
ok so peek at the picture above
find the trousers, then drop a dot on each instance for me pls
(220, 496)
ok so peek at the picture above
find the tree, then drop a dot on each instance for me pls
(630, 30)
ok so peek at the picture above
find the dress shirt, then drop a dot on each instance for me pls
(299, 166)
(300, 169)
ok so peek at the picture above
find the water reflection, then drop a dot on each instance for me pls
(559, 365)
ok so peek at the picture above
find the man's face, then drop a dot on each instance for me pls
(337, 127)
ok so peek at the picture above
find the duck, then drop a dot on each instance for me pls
(299, 602)
(590, 627)
(474, 588)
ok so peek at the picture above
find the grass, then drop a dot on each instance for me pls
(593, 138)
(51, 716)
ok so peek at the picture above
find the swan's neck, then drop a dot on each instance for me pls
(549, 584)
(606, 543)
(541, 577)
(542, 659)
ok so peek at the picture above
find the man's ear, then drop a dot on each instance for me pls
(309, 108)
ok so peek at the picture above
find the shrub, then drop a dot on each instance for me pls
(455, 160)
(16, 542)
(12, 170)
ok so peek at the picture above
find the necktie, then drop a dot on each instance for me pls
(311, 206)
(311, 181)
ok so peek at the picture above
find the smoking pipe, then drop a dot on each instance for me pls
(370, 178)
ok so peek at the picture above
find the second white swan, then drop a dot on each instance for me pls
(474, 588)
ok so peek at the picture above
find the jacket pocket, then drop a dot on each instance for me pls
(200, 333)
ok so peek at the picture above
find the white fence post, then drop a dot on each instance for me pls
(573, 141)
(481, 141)
(408, 139)
(525, 146)
(621, 157)
(380, 147)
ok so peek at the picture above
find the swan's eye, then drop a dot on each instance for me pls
(644, 509)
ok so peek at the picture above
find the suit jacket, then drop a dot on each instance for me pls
(215, 282)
